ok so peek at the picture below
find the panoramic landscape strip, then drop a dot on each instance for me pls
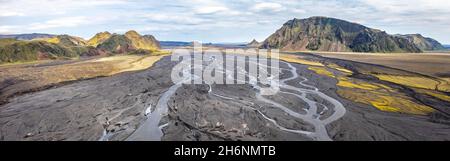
(320, 77)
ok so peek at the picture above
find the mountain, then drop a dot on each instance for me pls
(99, 38)
(330, 34)
(424, 43)
(254, 44)
(34, 50)
(130, 41)
(170, 44)
(147, 42)
(27, 36)
(61, 46)
(66, 46)
(7, 41)
(116, 44)
(67, 40)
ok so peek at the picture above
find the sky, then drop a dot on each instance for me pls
(217, 20)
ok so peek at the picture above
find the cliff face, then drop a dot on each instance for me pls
(329, 34)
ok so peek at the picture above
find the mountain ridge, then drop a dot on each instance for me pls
(331, 34)
(30, 36)
(99, 38)
(67, 46)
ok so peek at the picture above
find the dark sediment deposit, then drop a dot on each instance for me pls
(307, 108)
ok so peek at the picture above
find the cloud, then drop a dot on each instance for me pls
(52, 7)
(267, 6)
(403, 6)
(178, 18)
(60, 22)
(299, 11)
(7, 29)
(410, 12)
(10, 14)
(210, 9)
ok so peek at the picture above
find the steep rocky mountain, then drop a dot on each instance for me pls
(27, 36)
(424, 43)
(254, 44)
(99, 38)
(330, 34)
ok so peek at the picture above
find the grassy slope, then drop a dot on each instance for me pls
(34, 50)
(65, 46)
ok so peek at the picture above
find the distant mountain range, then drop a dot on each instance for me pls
(173, 44)
(315, 33)
(169, 44)
(28, 47)
(254, 44)
(330, 34)
(27, 36)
